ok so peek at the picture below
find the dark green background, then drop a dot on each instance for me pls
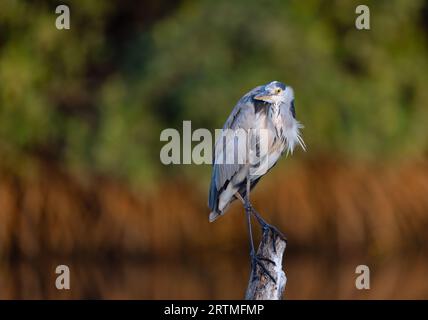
(96, 97)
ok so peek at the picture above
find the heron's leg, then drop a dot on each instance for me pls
(261, 221)
(266, 225)
(250, 232)
(255, 259)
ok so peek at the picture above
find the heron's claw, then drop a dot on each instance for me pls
(275, 233)
(256, 260)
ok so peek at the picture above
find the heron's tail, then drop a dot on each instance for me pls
(213, 199)
(214, 216)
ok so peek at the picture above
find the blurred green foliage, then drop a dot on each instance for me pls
(96, 97)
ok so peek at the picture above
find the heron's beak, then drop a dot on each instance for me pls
(264, 96)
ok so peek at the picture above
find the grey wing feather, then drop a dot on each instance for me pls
(241, 117)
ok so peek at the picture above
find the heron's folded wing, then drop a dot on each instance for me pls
(240, 119)
(231, 146)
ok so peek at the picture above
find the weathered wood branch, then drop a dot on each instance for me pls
(260, 286)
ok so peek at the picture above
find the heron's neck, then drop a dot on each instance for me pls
(287, 129)
(275, 118)
(274, 110)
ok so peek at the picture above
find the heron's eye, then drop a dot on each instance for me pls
(277, 90)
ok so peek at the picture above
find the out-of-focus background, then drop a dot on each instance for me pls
(81, 112)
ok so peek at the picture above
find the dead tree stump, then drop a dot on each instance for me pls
(260, 286)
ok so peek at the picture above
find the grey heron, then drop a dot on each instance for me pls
(269, 108)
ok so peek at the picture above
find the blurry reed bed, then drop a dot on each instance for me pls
(323, 206)
(225, 277)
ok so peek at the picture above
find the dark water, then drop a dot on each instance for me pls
(209, 277)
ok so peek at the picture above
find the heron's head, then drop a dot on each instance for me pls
(276, 92)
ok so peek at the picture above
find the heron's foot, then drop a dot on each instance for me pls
(275, 233)
(274, 230)
(257, 260)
